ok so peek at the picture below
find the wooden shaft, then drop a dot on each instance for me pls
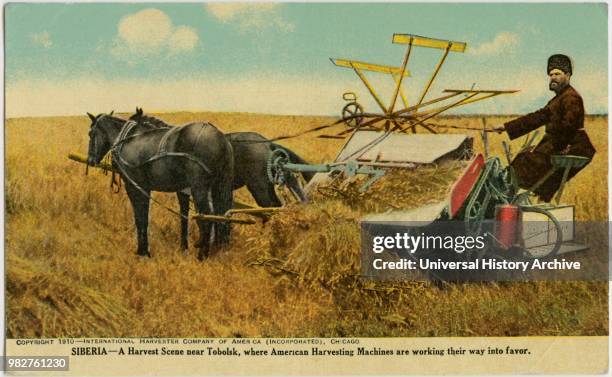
(465, 101)
(398, 85)
(252, 211)
(426, 103)
(481, 98)
(401, 92)
(458, 103)
(435, 73)
(82, 159)
(222, 219)
(485, 138)
(370, 88)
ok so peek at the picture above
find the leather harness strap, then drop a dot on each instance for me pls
(162, 149)
(164, 140)
(122, 164)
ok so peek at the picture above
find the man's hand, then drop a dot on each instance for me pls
(499, 128)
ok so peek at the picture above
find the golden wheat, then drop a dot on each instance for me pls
(72, 268)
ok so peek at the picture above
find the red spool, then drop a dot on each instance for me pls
(506, 224)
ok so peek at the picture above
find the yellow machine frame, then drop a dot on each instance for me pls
(412, 115)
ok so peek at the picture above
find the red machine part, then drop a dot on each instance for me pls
(507, 217)
(464, 185)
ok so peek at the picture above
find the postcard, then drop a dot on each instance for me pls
(271, 188)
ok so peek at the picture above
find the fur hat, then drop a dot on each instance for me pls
(560, 61)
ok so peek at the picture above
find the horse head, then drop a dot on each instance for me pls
(102, 133)
(137, 115)
(147, 120)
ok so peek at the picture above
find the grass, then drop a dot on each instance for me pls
(72, 269)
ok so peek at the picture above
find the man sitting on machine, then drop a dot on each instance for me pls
(563, 116)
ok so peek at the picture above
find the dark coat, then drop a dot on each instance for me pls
(564, 119)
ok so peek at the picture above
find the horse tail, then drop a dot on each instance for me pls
(295, 158)
(222, 192)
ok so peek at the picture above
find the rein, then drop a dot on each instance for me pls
(318, 128)
(115, 183)
(291, 136)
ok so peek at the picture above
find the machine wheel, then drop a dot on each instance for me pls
(352, 114)
(545, 250)
(276, 174)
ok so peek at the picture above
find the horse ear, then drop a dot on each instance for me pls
(92, 117)
(112, 112)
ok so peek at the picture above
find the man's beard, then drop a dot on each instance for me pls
(556, 88)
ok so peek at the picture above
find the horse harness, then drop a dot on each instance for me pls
(162, 152)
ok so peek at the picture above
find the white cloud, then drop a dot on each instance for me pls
(250, 15)
(183, 39)
(149, 28)
(151, 32)
(42, 39)
(230, 11)
(503, 42)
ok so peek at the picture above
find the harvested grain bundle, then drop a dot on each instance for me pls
(318, 244)
(397, 189)
(41, 304)
(318, 247)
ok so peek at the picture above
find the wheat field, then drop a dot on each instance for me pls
(72, 270)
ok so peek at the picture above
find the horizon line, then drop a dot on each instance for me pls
(271, 114)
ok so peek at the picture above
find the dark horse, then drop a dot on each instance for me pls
(150, 158)
(251, 153)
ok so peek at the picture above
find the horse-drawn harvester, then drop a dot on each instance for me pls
(376, 142)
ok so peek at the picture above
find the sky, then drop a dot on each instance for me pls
(65, 59)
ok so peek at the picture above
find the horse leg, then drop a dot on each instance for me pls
(201, 198)
(264, 194)
(296, 188)
(140, 205)
(183, 200)
(222, 201)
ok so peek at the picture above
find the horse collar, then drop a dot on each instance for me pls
(125, 130)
